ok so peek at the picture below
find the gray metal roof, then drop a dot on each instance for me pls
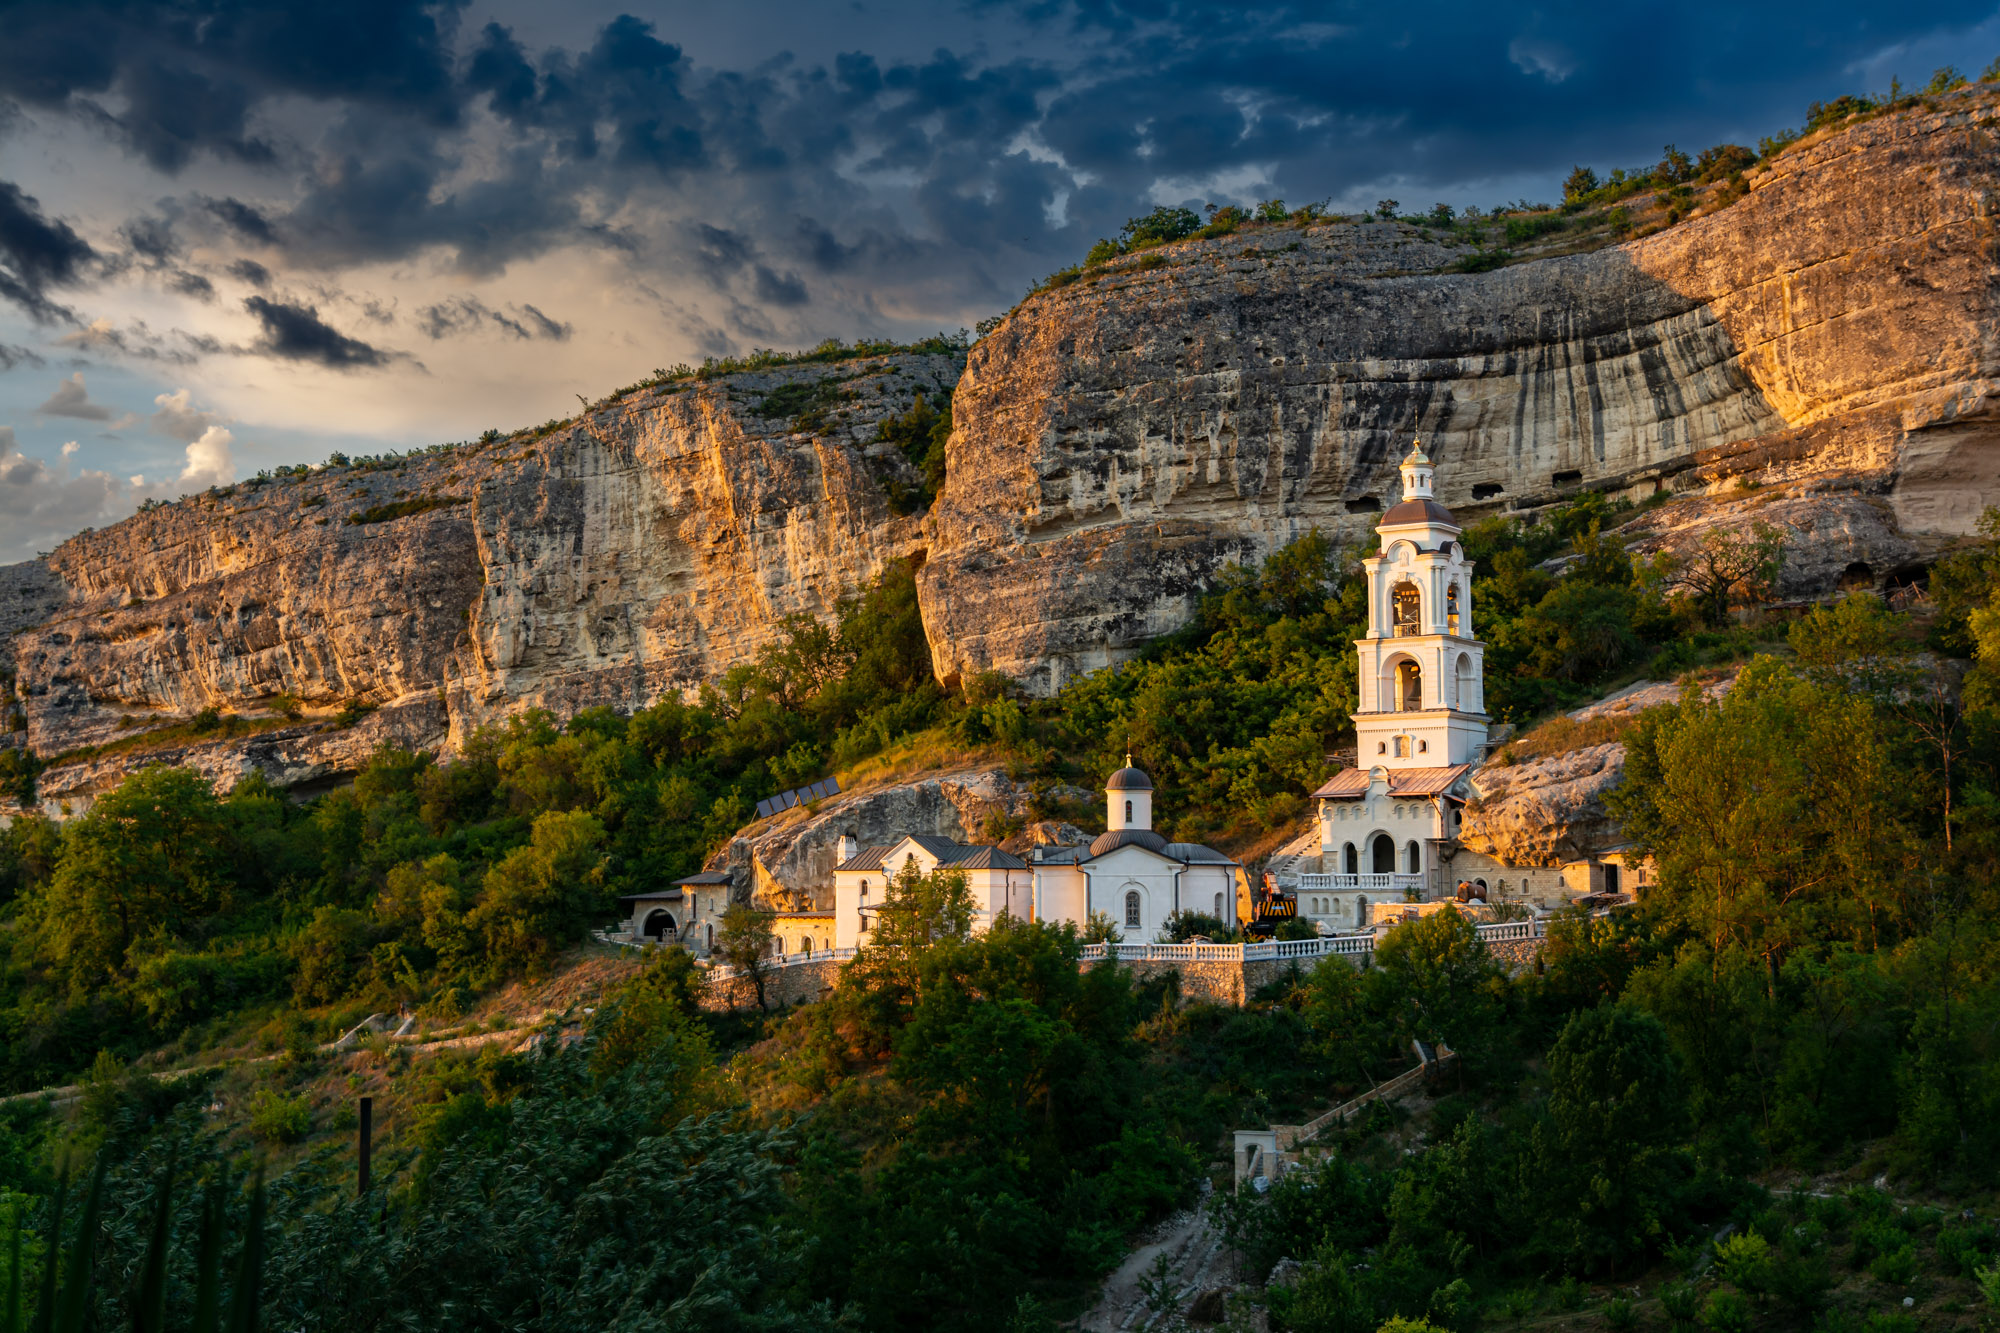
(1194, 854)
(1127, 837)
(989, 858)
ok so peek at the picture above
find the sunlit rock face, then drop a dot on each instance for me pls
(644, 548)
(1120, 440)
(1819, 355)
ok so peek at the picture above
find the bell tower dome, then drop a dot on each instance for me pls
(1422, 670)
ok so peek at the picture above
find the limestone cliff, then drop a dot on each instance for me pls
(644, 547)
(1820, 353)
(1833, 332)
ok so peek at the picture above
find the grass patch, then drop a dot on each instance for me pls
(206, 725)
(388, 513)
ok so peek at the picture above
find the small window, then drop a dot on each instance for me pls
(864, 888)
(1402, 747)
(1218, 907)
(1128, 812)
(1381, 747)
(1132, 911)
(1423, 747)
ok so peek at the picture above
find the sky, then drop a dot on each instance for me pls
(236, 235)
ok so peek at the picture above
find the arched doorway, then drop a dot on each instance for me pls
(659, 925)
(1383, 854)
(1413, 859)
(1361, 912)
(1350, 860)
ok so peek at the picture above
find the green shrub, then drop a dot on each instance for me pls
(1681, 1301)
(1726, 1312)
(1897, 1267)
(1619, 1316)
(387, 513)
(278, 1118)
(1745, 1259)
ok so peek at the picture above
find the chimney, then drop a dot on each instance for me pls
(849, 849)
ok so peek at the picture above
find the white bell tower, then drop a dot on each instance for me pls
(1423, 701)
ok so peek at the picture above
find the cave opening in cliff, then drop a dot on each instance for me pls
(1486, 490)
(1367, 504)
(1569, 478)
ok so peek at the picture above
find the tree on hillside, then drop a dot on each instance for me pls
(918, 912)
(150, 859)
(744, 942)
(1435, 979)
(1730, 567)
(544, 896)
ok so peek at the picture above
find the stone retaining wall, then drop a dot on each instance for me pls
(1212, 982)
(783, 986)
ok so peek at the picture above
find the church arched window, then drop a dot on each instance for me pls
(1406, 606)
(1409, 686)
(1132, 910)
(1128, 812)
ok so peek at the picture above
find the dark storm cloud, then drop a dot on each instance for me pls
(854, 181)
(297, 333)
(468, 314)
(37, 254)
(183, 77)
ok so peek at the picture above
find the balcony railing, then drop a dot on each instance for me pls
(1359, 883)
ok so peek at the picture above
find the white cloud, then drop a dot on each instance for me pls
(209, 461)
(41, 505)
(70, 448)
(71, 399)
(178, 418)
(1536, 55)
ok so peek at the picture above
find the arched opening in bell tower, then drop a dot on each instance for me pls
(1451, 609)
(1406, 610)
(1409, 686)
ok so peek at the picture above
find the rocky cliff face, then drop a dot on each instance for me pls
(1832, 332)
(645, 547)
(1828, 339)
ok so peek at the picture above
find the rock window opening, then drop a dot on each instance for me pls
(1857, 575)
(1570, 478)
(1407, 607)
(1367, 504)
(1131, 911)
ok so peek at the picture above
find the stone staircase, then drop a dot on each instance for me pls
(1299, 856)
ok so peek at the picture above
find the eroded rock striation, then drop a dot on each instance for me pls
(643, 548)
(1832, 332)
(1820, 354)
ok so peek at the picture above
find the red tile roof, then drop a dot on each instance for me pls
(1351, 784)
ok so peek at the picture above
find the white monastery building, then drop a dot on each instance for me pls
(1129, 873)
(1388, 826)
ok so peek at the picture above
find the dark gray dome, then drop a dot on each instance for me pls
(1125, 837)
(1129, 778)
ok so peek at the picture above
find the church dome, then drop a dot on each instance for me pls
(1125, 837)
(1418, 511)
(1129, 778)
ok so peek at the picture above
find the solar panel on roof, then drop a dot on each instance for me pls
(833, 786)
(821, 790)
(764, 808)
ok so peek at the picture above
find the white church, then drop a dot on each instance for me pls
(1129, 874)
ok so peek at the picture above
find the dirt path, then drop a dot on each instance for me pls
(1196, 1261)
